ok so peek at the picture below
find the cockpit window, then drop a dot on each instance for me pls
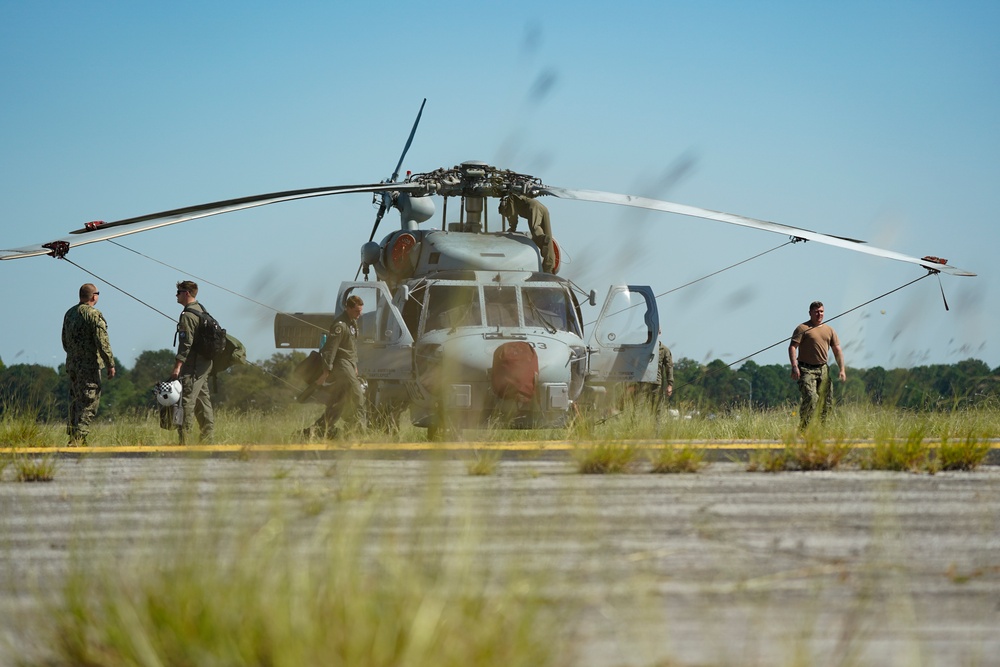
(501, 306)
(548, 307)
(452, 306)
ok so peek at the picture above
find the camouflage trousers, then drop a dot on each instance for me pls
(816, 389)
(84, 399)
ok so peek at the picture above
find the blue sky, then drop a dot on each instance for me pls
(876, 121)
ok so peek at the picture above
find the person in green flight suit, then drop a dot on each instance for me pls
(192, 367)
(347, 393)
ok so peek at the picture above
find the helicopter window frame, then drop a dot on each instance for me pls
(542, 317)
(412, 309)
(468, 313)
(500, 313)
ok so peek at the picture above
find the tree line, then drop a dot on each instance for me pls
(268, 386)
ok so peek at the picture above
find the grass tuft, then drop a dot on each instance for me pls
(19, 429)
(35, 470)
(685, 459)
(485, 462)
(967, 454)
(769, 460)
(910, 454)
(604, 457)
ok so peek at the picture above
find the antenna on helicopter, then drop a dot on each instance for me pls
(384, 199)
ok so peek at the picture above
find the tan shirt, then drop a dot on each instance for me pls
(814, 343)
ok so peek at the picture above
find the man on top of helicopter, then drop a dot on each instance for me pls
(537, 216)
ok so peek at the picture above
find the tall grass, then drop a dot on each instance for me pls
(289, 592)
(636, 423)
(20, 429)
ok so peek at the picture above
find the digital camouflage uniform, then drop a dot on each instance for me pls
(88, 350)
(196, 402)
(655, 393)
(347, 397)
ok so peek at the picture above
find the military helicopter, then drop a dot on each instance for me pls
(469, 324)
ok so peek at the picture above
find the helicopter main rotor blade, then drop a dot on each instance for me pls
(929, 263)
(409, 140)
(103, 231)
(383, 205)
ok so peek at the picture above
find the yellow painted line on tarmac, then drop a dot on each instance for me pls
(509, 446)
(465, 445)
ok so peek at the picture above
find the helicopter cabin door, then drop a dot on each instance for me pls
(384, 343)
(623, 342)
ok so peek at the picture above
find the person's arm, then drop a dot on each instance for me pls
(793, 349)
(104, 344)
(838, 354)
(65, 333)
(185, 339)
(668, 373)
(329, 351)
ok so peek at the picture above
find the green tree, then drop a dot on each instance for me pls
(131, 391)
(266, 385)
(33, 389)
(687, 387)
(875, 384)
(152, 366)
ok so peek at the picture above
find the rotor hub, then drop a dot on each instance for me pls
(476, 179)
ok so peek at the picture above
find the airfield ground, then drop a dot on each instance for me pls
(722, 567)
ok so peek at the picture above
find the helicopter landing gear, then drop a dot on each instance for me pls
(443, 428)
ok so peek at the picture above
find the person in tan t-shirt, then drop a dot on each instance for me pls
(808, 352)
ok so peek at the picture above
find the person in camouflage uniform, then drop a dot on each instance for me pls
(192, 368)
(658, 392)
(88, 350)
(808, 352)
(664, 375)
(340, 354)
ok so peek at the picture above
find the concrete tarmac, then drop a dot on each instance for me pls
(722, 567)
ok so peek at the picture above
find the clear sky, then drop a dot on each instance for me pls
(872, 120)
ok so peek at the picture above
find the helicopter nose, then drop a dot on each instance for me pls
(515, 372)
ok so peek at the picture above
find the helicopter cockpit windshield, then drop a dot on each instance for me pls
(551, 308)
(453, 306)
(450, 306)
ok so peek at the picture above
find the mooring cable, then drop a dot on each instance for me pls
(126, 293)
(225, 289)
(704, 277)
(132, 296)
(839, 315)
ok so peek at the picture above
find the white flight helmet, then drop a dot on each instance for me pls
(167, 393)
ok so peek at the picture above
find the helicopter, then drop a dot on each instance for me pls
(468, 324)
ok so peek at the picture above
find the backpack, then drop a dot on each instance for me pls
(209, 337)
(234, 352)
